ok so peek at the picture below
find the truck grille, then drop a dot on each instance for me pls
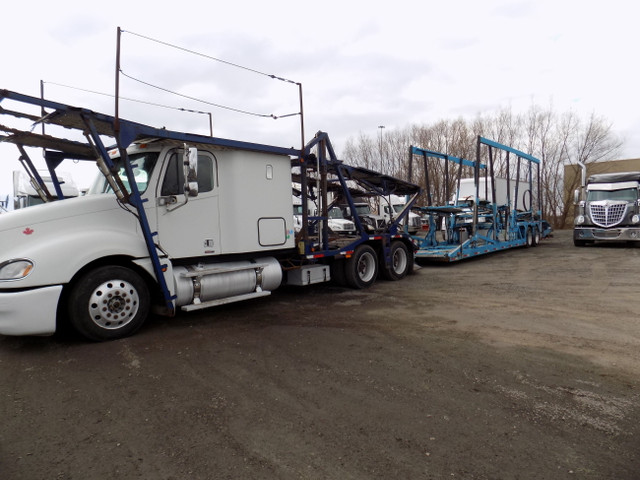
(607, 213)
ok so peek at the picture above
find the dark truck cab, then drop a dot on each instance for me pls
(608, 209)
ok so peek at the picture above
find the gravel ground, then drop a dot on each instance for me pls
(520, 365)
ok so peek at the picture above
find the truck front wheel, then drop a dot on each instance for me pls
(361, 269)
(108, 303)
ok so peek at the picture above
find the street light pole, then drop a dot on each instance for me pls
(380, 127)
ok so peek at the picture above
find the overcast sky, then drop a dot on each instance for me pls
(362, 64)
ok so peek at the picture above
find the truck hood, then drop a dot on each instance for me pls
(31, 217)
(61, 237)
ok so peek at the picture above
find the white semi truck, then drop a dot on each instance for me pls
(608, 209)
(175, 221)
(34, 190)
(393, 205)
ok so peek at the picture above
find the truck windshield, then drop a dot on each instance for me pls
(626, 194)
(335, 213)
(363, 209)
(142, 164)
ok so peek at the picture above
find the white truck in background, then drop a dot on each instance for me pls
(362, 212)
(27, 192)
(336, 221)
(393, 205)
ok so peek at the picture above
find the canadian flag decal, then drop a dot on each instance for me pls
(27, 231)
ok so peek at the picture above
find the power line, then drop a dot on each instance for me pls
(237, 110)
(213, 104)
(182, 109)
(275, 77)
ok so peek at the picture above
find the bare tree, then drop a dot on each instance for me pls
(555, 139)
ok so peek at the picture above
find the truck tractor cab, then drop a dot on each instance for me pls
(371, 222)
(609, 210)
(392, 206)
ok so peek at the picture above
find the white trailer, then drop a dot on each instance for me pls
(466, 193)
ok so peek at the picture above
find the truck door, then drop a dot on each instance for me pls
(188, 226)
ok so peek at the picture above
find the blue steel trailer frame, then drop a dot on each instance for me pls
(349, 182)
(461, 230)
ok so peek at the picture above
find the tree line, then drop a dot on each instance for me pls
(556, 139)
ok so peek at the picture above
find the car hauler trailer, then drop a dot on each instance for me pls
(496, 214)
(177, 221)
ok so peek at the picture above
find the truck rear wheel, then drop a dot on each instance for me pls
(401, 262)
(108, 303)
(529, 238)
(536, 237)
(361, 269)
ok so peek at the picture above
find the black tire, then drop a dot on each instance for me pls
(536, 237)
(579, 243)
(108, 303)
(529, 238)
(337, 273)
(401, 262)
(361, 269)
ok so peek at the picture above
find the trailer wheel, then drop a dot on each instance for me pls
(108, 303)
(536, 237)
(361, 269)
(401, 263)
(528, 238)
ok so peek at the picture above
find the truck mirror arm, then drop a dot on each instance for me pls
(190, 164)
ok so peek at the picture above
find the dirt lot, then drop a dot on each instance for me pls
(520, 365)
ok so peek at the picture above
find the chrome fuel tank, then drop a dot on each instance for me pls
(212, 281)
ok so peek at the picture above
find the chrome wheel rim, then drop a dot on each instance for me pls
(399, 261)
(366, 267)
(113, 304)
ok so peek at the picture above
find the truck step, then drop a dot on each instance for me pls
(223, 301)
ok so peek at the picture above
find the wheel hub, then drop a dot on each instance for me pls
(113, 304)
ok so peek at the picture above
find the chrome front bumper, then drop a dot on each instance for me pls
(622, 234)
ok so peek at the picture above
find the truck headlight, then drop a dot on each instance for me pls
(635, 219)
(579, 220)
(15, 269)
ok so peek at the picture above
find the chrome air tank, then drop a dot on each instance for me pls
(212, 281)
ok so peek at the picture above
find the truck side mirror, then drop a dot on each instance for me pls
(576, 196)
(190, 165)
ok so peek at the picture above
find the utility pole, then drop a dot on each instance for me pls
(380, 128)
